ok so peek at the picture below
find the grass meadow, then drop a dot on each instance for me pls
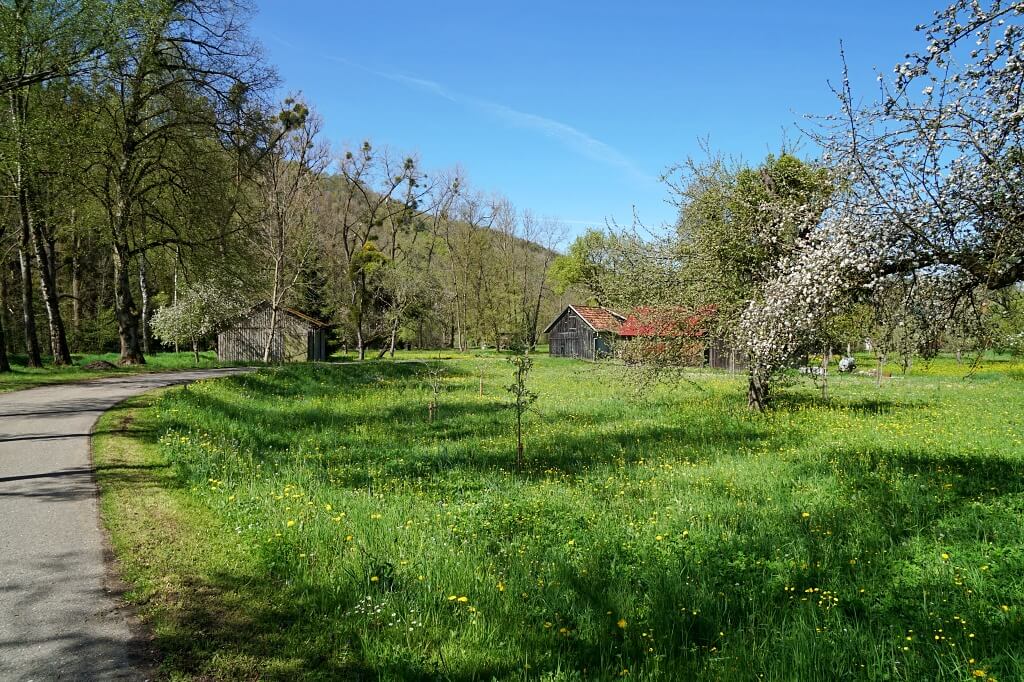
(311, 522)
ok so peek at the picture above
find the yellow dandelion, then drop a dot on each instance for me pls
(291, 522)
(659, 538)
(374, 579)
(622, 623)
(805, 514)
(945, 557)
(463, 600)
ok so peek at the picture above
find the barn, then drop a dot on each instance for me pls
(678, 336)
(584, 332)
(297, 338)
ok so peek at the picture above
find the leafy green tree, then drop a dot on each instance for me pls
(737, 224)
(163, 115)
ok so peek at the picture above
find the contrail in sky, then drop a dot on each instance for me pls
(578, 141)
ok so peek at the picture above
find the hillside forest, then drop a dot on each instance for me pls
(145, 163)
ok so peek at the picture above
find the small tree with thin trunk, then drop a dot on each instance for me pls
(289, 197)
(522, 397)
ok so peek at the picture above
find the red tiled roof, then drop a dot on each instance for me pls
(665, 322)
(601, 319)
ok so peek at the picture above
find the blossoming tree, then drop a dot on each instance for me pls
(931, 186)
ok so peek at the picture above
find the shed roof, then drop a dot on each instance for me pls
(289, 311)
(600, 319)
(667, 321)
(302, 316)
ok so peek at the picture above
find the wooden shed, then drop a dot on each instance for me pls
(584, 332)
(298, 337)
(681, 337)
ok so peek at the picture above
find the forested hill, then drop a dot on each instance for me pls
(146, 162)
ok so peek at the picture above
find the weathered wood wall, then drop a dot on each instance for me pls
(721, 356)
(295, 340)
(571, 337)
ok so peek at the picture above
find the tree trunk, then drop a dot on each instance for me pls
(519, 438)
(394, 337)
(757, 390)
(878, 374)
(144, 295)
(174, 292)
(76, 286)
(826, 359)
(48, 286)
(125, 311)
(27, 303)
(5, 363)
(5, 310)
(270, 336)
(19, 115)
(195, 349)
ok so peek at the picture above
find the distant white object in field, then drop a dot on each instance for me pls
(847, 364)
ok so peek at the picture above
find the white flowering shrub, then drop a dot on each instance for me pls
(201, 309)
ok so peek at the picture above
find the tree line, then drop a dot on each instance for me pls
(151, 188)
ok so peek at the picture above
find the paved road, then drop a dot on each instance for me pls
(58, 620)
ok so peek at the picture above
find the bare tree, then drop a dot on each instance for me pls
(376, 191)
(290, 196)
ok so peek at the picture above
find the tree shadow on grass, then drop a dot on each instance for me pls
(258, 617)
(259, 627)
(468, 435)
(794, 401)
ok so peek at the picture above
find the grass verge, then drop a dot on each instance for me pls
(21, 377)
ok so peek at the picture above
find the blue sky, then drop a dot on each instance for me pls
(574, 109)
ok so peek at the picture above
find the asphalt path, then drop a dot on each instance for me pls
(60, 615)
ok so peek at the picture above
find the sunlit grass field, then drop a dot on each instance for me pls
(312, 523)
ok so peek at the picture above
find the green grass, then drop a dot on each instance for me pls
(425, 354)
(310, 522)
(21, 376)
